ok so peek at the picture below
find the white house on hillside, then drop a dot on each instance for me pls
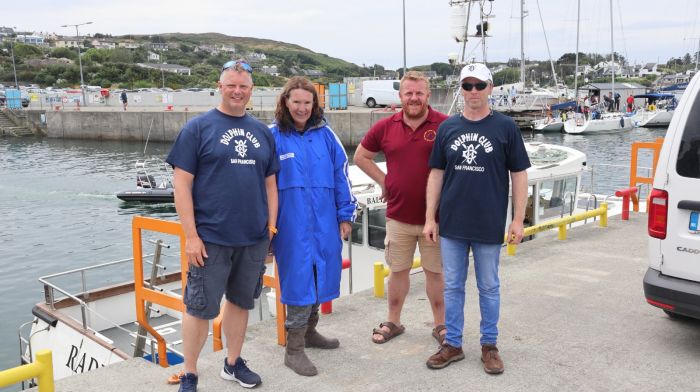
(649, 69)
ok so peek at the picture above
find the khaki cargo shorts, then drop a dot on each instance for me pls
(400, 246)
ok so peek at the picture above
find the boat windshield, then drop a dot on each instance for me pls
(543, 155)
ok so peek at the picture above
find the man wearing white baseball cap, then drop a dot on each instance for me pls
(474, 155)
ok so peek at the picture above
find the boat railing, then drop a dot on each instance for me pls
(595, 205)
(81, 298)
(572, 204)
(161, 177)
(592, 170)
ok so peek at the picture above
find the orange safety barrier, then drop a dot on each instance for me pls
(145, 294)
(635, 179)
(627, 194)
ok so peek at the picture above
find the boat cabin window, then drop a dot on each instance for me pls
(529, 217)
(357, 232)
(377, 227)
(556, 197)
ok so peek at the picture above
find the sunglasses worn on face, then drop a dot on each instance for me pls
(240, 63)
(479, 86)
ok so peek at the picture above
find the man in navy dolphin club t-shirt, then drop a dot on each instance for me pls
(474, 155)
(226, 198)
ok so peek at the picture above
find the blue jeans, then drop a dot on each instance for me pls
(455, 264)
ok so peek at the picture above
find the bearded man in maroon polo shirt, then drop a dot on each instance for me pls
(406, 139)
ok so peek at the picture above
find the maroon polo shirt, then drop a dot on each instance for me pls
(407, 154)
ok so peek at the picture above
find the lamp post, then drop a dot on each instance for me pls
(80, 61)
(12, 51)
(404, 37)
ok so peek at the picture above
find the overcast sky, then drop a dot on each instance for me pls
(370, 31)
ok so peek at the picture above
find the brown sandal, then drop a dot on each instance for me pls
(393, 332)
(436, 333)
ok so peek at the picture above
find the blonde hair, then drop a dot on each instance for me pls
(415, 76)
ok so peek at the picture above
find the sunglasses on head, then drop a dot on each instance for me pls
(479, 86)
(240, 63)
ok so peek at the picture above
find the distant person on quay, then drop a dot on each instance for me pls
(406, 138)
(476, 153)
(124, 99)
(226, 197)
(630, 104)
(316, 211)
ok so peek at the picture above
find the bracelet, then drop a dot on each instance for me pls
(272, 229)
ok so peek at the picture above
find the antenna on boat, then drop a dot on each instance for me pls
(145, 146)
(578, 26)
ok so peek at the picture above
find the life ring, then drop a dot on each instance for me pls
(651, 108)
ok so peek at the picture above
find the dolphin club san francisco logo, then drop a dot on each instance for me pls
(471, 145)
(240, 146)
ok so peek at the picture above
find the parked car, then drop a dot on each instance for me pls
(672, 281)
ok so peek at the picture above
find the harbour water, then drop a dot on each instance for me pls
(58, 210)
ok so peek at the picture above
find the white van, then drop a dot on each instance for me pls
(380, 92)
(672, 281)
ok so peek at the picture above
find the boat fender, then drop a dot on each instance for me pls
(622, 122)
(42, 315)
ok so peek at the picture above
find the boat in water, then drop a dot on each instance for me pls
(658, 112)
(150, 187)
(605, 122)
(554, 118)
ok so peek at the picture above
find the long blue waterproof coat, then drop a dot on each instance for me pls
(314, 198)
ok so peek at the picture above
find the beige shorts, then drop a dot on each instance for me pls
(400, 246)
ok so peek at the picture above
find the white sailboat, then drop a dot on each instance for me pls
(604, 122)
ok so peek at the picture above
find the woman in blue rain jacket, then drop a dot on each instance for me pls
(316, 209)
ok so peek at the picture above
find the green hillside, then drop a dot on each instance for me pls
(117, 67)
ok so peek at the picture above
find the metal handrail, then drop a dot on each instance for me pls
(595, 205)
(571, 196)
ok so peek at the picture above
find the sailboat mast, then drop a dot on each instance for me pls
(578, 25)
(612, 47)
(522, 42)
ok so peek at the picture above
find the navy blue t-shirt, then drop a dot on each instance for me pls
(230, 157)
(477, 157)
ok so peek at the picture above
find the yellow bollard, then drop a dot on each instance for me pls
(379, 279)
(381, 272)
(42, 369)
(45, 361)
(562, 232)
(604, 215)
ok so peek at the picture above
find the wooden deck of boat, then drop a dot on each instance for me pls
(573, 317)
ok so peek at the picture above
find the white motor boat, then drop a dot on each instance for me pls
(658, 112)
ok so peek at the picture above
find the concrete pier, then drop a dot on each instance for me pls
(573, 318)
(136, 124)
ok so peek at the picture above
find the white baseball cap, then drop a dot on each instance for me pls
(476, 70)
